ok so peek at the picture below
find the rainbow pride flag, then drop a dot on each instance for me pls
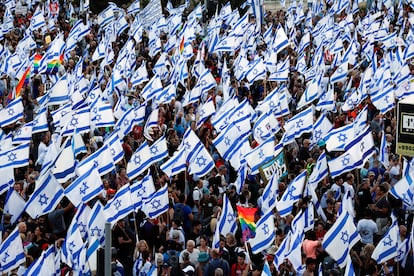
(24, 80)
(36, 63)
(246, 218)
(53, 66)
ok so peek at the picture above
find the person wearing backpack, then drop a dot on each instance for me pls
(216, 262)
(197, 195)
(183, 213)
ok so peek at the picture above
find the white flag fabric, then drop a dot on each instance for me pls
(265, 233)
(356, 154)
(291, 195)
(96, 225)
(261, 154)
(12, 112)
(387, 248)
(226, 223)
(119, 206)
(340, 238)
(157, 204)
(14, 204)
(140, 161)
(46, 196)
(11, 252)
(85, 187)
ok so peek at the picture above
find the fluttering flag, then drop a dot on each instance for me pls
(387, 247)
(264, 234)
(226, 223)
(340, 238)
(247, 221)
(11, 252)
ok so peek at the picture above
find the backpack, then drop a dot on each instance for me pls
(173, 258)
(179, 213)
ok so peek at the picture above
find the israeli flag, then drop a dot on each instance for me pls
(11, 252)
(119, 206)
(291, 195)
(157, 204)
(85, 187)
(340, 238)
(96, 224)
(102, 158)
(140, 161)
(46, 196)
(265, 233)
(261, 154)
(201, 163)
(15, 157)
(387, 248)
(12, 112)
(226, 222)
(356, 154)
(298, 124)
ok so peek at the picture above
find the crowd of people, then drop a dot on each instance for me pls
(179, 242)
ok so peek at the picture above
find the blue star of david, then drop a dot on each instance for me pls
(392, 41)
(272, 104)
(230, 218)
(18, 132)
(410, 38)
(92, 96)
(6, 255)
(11, 156)
(201, 112)
(82, 227)
(261, 154)
(340, 70)
(255, 71)
(203, 83)
(259, 131)
(11, 111)
(344, 237)
(96, 229)
(156, 204)
(113, 152)
(154, 149)
(64, 112)
(362, 146)
(43, 199)
(141, 191)
(126, 122)
(74, 122)
(117, 204)
(386, 98)
(301, 65)
(201, 161)
(350, 102)
(407, 87)
(318, 134)
(290, 192)
(83, 189)
(35, 121)
(72, 245)
(95, 110)
(137, 160)
(240, 113)
(98, 117)
(103, 15)
(299, 123)
(345, 160)
(342, 137)
(387, 241)
(265, 229)
(187, 145)
(238, 128)
(227, 141)
(118, 25)
(95, 163)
